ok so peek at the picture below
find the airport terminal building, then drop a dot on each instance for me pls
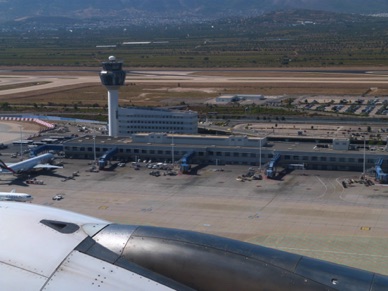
(141, 119)
(319, 154)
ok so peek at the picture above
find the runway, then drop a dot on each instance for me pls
(44, 81)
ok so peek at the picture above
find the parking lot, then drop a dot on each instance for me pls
(362, 105)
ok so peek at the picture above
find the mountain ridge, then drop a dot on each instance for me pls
(15, 9)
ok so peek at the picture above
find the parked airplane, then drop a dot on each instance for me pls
(38, 162)
(13, 196)
(45, 248)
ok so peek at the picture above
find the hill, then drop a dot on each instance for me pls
(183, 10)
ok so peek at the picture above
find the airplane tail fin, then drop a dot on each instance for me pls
(5, 167)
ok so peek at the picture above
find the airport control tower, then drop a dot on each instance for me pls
(112, 77)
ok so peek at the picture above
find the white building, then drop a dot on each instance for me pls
(136, 120)
(239, 98)
(341, 144)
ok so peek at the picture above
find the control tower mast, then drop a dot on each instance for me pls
(112, 77)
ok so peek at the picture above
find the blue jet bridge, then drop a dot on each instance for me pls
(185, 162)
(103, 160)
(380, 175)
(271, 169)
(46, 148)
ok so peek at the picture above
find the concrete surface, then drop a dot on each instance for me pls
(308, 212)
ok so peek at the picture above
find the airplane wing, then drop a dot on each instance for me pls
(53, 249)
(53, 259)
(47, 166)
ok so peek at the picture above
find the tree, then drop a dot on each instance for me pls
(5, 106)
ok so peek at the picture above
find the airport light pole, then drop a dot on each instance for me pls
(260, 155)
(172, 149)
(363, 172)
(94, 147)
(21, 143)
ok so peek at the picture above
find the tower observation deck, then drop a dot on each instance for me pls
(112, 77)
(112, 73)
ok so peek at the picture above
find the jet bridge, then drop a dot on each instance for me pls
(45, 148)
(380, 175)
(185, 162)
(103, 160)
(271, 169)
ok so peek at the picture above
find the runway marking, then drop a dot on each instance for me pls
(324, 184)
(366, 228)
(103, 207)
(343, 190)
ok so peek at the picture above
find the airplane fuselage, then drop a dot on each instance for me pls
(27, 165)
(12, 196)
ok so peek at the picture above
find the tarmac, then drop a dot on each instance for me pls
(305, 212)
(10, 131)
